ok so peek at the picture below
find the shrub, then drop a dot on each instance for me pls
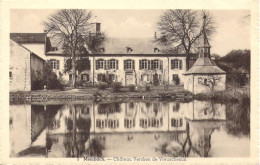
(116, 86)
(156, 81)
(147, 88)
(132, 88)
(102, 85)
(45, 77)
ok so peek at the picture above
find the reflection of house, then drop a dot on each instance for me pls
(24, 66)
(177, 118)
(201, 136)
(161, 128)
(27, 122)
(205, 110)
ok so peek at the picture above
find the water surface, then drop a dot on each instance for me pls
(128, 129)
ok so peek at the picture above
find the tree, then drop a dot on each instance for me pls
(74, 27)
(180, 29)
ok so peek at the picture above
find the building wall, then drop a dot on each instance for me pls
(177, 71)
(59, 72)
(166, 73)
(37, 48)
(19, 67)
(196, 83)
(37, 66)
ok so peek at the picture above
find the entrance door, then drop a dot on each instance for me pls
(176, 79)
(129, 79)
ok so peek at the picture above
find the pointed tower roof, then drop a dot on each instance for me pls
(204, 65)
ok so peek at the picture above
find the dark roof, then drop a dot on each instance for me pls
(115, 46)
(138, 46)
(28, 37)
(205, 66)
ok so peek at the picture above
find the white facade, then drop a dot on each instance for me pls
(205, 83)
(135, 74)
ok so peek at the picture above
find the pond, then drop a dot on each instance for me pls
(129, 129)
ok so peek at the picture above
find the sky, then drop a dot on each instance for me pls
(233, 26)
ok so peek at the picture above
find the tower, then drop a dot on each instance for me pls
(204, 47)
(204, 76)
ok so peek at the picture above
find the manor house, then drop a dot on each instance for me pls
(127, 60)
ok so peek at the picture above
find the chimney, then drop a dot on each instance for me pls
(97, 25)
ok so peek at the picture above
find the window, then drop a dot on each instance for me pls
(176, 107)
(85, 77)
(176, 122)
(174, 64)
(101, 77)
(106, 64)
(112, 77)
(55, 64)
(143, 64)
(155, 64)
(156, 50)
(10, 75)
(176, 79)
(100, 64)
(54, 48)
(113, 64)
(129, 64)
(205, 81)
(85, 64)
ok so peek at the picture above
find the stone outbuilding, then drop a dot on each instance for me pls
(24, 64)
(204, 76)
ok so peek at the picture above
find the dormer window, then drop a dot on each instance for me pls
(101, 49)
(129, 49)
(54, 48)
(156, 50)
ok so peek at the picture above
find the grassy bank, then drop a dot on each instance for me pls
(94, 93)
(233, 94)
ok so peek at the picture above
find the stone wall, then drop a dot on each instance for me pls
(19, 68)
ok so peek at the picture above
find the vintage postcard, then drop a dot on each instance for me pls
(129, 82)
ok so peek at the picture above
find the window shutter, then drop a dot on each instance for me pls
(149, 64)
(133, 64)
(97, 67)
(108, 64)
(180, 65)
(140, 64)
(58, 64)
(152, 61)
(105, 64)
(124, 64)
(49, 62)
(172, 64)
(116, 64)
(161, 65)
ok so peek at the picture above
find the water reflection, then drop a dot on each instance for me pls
(193, 129)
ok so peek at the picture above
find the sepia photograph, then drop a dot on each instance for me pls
(129, 83)
(137, 84)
